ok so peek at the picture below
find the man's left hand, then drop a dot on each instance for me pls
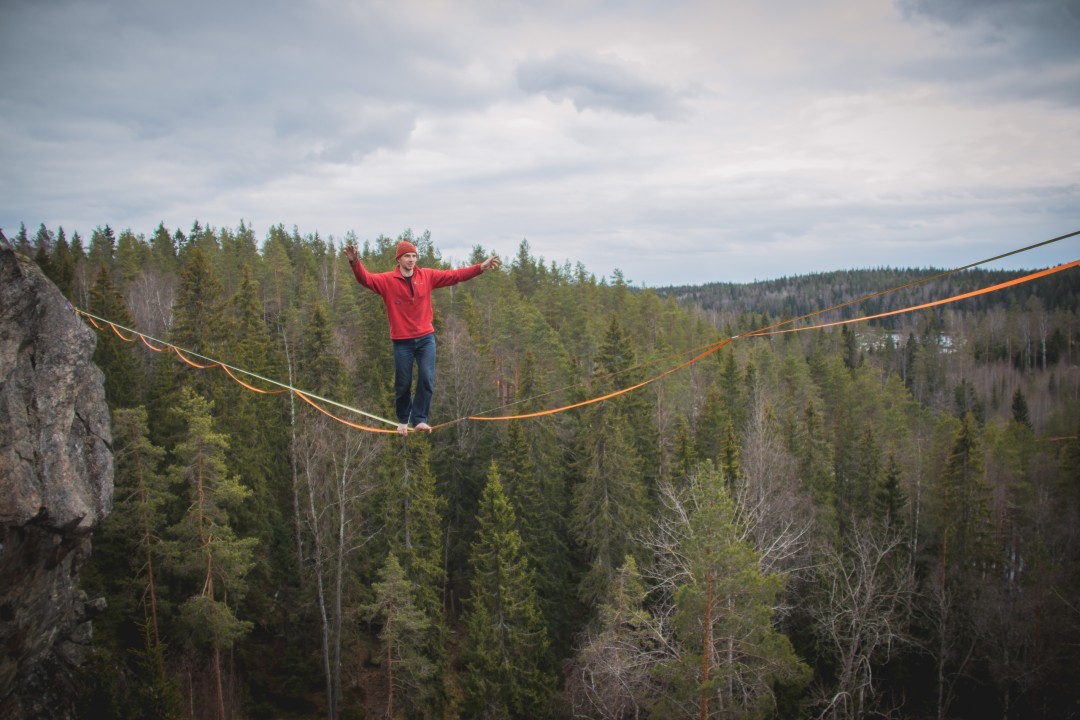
(492, 263)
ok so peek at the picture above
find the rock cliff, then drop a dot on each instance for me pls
(55, 487)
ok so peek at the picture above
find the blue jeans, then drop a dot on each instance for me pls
(414, 409)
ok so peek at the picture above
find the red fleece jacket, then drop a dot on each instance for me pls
(409, 308)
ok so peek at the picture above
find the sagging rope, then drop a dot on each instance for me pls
(768, 330)
(231, 371)
(708, 350)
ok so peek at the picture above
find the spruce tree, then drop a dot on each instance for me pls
(537, 491)
(506, 661)
(43, 245)
(115, 357)
(410, 510)
(61, 264)
(610, 504)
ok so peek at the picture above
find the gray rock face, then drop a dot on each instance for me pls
(55, 487)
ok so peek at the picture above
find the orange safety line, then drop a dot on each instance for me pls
(606, 376)
(913, 283)
(311, 402)
(610, 395)
(120, 334)
(93, 322)
(192, 363)
(993, 288)
(180, 354)
(146, 342)
(767, 330)
(251, 387)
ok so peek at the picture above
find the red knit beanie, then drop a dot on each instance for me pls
(404, 247)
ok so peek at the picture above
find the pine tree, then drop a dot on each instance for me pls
(411, 510)
(132, 255)
(729, 458)
(727, 657)
(204, 548)
(685, 456)
(505, 658)
(409, 671)
(129, 540)
(199, 324)
(131, 534)
(616, 369)
(22, 242)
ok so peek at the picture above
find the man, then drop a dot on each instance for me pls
(406, 292)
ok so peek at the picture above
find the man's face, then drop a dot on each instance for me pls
(407, 262)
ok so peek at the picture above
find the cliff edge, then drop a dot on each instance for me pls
(56, 481)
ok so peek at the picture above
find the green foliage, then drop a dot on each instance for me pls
(505, 657)
(204, 548)
(404, 635)
(949, 427)
(729, 656)
(113, 355)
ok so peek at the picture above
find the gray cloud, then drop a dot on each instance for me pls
(1037, 29)
(841, 135)
(1022, 49)
(1031, 30)
(597, 82)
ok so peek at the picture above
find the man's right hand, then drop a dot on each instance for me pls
(351, 253)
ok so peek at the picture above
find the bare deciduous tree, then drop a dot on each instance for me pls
(867, 592)
(334, 466)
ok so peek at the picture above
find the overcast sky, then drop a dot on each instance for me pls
(682, 142)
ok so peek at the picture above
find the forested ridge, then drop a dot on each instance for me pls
(874, 520)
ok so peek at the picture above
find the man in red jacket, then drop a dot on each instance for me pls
(406, 292)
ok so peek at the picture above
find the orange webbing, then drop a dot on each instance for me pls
(710, 349)
(228, 370)
(146, 342)
(935, 303)
(192, 363)
(946, 273)
(691, 361)
(251, 387)
(311, 402)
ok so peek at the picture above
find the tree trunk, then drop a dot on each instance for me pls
(706, 645)
(217, 683)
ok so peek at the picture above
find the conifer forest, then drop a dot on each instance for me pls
(874, 520)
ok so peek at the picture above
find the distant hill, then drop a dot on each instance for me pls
(802, 294)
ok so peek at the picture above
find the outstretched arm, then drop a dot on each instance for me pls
(359, 271)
